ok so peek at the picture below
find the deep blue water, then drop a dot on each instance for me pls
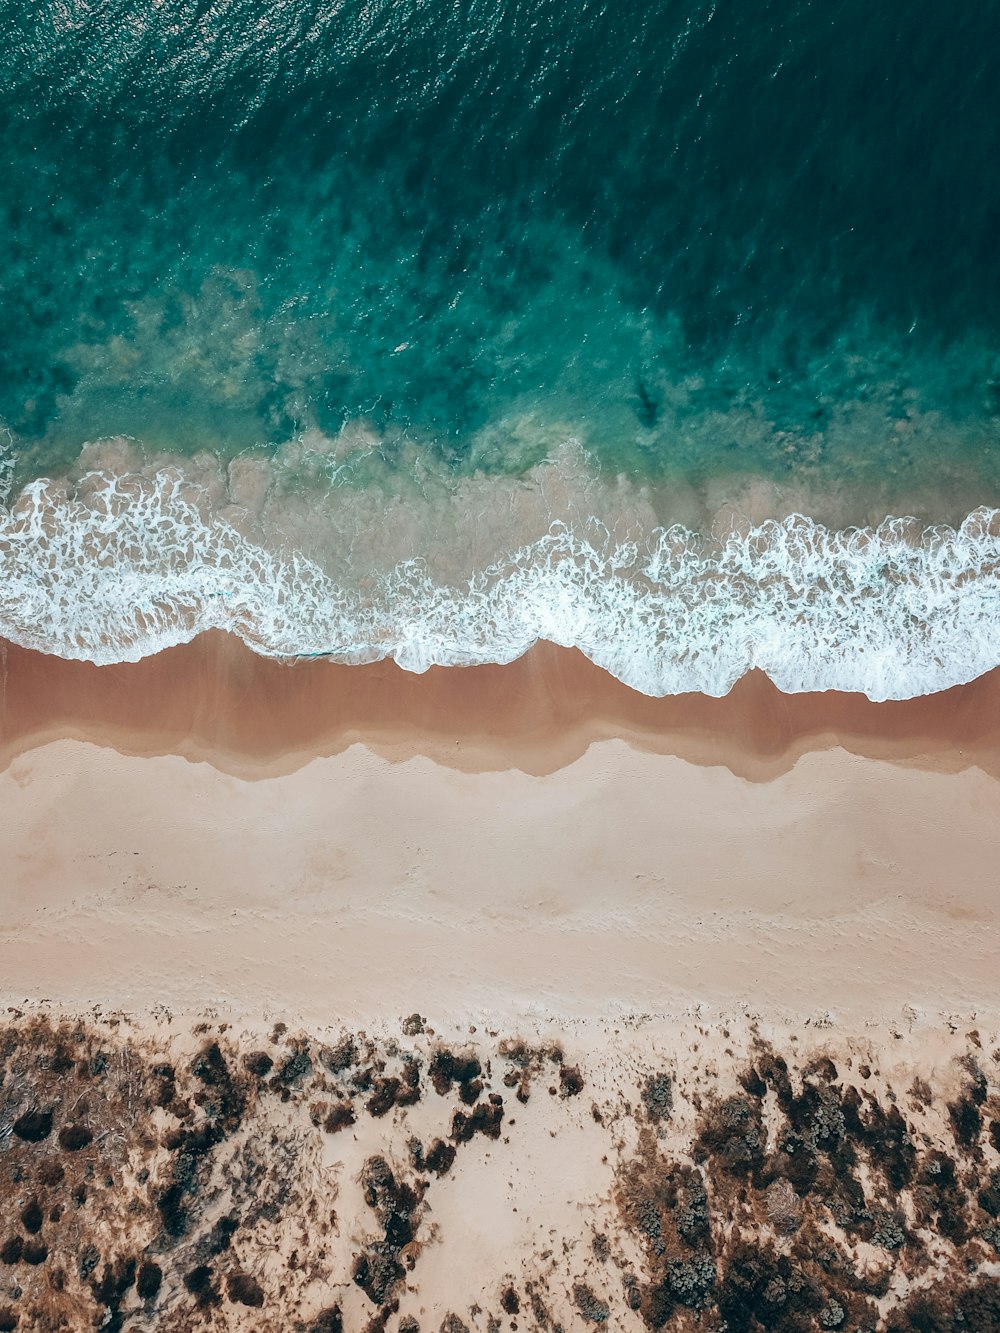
(219, 220)
(703, 239)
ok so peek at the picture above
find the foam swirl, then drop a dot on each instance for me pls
(122, 566)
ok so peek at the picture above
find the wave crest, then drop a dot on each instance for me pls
(123, 566)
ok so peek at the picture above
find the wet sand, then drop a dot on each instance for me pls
(214, 700)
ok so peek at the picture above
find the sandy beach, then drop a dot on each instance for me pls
(637, 913)
(208, 823)
(561, 358)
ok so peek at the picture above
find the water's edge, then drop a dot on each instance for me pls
(118, 567)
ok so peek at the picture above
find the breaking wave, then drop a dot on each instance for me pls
(122, 567)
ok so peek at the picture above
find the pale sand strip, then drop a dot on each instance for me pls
(371, 880)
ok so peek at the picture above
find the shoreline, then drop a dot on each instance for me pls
(215, 701)
(894, 611)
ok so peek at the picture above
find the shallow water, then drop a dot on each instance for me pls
(399, 283)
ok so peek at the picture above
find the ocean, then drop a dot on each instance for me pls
(407, 328)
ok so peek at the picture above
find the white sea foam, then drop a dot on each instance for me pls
(119, 567)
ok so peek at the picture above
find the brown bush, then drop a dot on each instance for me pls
(33, 1126)
(245, 1290)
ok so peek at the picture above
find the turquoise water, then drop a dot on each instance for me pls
(400, 286)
